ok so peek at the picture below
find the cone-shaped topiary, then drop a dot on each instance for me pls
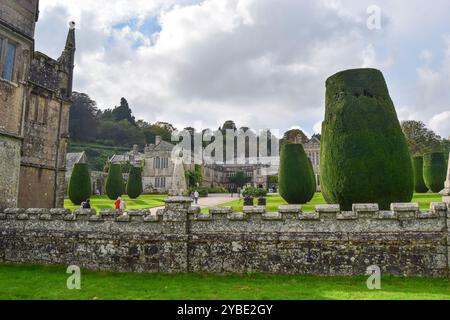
(134, 184)
(114, 183)
(364, 154)
(419, 183)
(434, 171)
(296, 179)
(80, 184)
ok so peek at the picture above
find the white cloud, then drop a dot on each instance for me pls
(441, 123)
(262, 63)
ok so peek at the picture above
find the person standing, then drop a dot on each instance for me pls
(87, 204)
(123, 205)
(196, 196)
(117, 204)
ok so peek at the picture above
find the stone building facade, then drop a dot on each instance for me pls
(35, 97)
(312, 149)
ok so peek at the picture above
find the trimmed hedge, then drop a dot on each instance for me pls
(114, 183)
(419, 183)
(80, 188)
(434, 171)
(134, 184)
(296, 184)
(364, 154)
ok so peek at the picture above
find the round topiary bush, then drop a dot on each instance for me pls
(364, 154)
(114, 183)
(419, 183)
(434, 171)
(296, 180)
(80, 184)
(134, 184)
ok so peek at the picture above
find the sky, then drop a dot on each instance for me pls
(261, 63)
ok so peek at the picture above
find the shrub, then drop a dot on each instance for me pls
(364, 154)
(419, 183)
(134, 184)
(114, 183)
(296, 176)
(218, 190)
(80, 188)
(434, 171)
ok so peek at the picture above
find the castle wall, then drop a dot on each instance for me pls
(20, 15)
(9, 171)
(403, 241)
(37, 187)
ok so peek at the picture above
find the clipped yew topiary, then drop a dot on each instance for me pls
(134, 184)
(434, 171)
(114, 183)
(419, 183)
(364, 154)
(296, 179)
(80, 184)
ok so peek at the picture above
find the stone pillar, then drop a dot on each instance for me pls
(446, 192)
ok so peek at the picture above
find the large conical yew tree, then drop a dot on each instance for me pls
(296, 177)
(134, 184)
(364, 154)
(80, 184)
(114, 183)
(434, 171)
(419, 183)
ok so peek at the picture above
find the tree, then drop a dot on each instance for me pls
(294, 136)
(419, 183)
(162, 129)
(122, 133)
(420, 139)
(240, 179)
(123, 112)
(82, 120)
(296, 181)
(114, 182)
(364, 154)
(195, 177)
(434, 171)
(134, 184)
(80, 184)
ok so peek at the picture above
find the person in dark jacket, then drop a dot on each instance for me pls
(87, 204)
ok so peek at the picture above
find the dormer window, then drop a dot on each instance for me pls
(7, 59)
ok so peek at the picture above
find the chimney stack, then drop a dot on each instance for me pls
(158, 140)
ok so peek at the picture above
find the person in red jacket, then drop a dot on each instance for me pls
(117, 203)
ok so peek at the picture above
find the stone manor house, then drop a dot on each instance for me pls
(35, 97)
(158, 169)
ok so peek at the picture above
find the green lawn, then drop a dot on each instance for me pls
(273, 202)
(49, 282)
(103, 202)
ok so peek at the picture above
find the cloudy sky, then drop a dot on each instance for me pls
(262, 63)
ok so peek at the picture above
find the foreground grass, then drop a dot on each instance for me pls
(103, 202)
(49, 282)
(274, 201)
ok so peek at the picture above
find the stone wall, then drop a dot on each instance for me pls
(9, 171)
(403, 241)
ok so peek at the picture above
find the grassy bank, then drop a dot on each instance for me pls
(44, 282)
(274, 201)
(103, 202)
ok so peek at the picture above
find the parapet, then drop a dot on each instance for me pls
(399, 211)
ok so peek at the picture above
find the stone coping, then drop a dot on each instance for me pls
(399, 211)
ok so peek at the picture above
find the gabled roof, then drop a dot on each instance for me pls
(162, 146)
(74, 158)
